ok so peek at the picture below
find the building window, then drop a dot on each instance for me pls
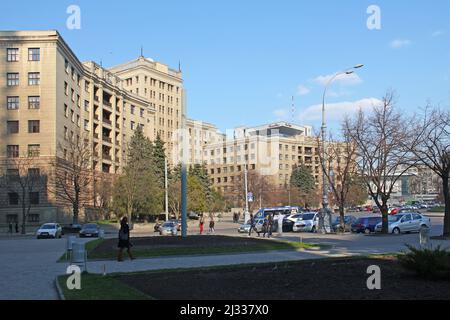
(33, 218)
(86, 125)
(34, 198)
(33, 126)
(13, 127)
(34, 78)
(66, 65)
(133, 126)
(12, 151)
(66, 88)
(66, 111)
(86, 105)
(72, 95)
(72, 116)
(12, 54)
(12, 103)
(34, 172)
(34, 54)
(34, 150)
(12, 79)
(86, 86)
(142, 113)
(132, 109)
(13, 198)
(12, 218)
(34, 102)
(65, 133)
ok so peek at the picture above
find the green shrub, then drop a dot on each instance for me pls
(427, 263)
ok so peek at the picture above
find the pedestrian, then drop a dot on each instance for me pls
(17, 227)
(10, 228)
(124, 239)
(264, 228)
(202, 222)
(211, 226)
(269, 225)
(252, 224)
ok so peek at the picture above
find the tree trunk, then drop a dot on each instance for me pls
(385, 218)
(76, 207)
(24, 215)
(342, 216)
(447, 206)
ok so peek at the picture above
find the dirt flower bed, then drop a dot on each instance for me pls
(323, 279)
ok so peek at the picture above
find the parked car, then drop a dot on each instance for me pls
(49, 230)
(348, 221)
(90, 230)
(177, 223)
(168, 228)
(71, 229)
(288, 225)
(294, 217)
(394, 211)
(244, 228)
(406, 222)
(194, 216)
(308, 222)
(365, 224)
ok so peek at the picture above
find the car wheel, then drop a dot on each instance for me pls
(396, 231)
(367, 231)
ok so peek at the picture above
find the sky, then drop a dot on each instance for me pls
(243, 61)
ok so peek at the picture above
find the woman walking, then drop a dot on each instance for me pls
(211, 226)
(124, 239)
(202, 222)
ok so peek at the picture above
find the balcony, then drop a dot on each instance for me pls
(96, 136)
(96, 99)
(107, 139)
(107, 121)
(106, 156)
(96, 117)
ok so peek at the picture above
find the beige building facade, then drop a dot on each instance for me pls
(49, 98)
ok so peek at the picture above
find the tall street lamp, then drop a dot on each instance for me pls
(348, 71)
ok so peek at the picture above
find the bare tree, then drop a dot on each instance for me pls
(340, 169)
(432, 148)
(382, 156)
(258, 184)
(73, 174)
(23, 176)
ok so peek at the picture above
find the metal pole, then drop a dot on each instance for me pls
(167, 189)
(184, 169)
(247, 213)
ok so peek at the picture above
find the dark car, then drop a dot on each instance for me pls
(90, 230)
(365, 225)
(72, 229)
(348, 221)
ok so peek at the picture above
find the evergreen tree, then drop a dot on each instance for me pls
(159, 158)
(303, 179)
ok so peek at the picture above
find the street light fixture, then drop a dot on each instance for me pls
(347, 71)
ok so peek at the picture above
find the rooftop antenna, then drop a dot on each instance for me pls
(179, 66)
(142, 51)
(293, 110)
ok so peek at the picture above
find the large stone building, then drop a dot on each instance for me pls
(271, 150)
(50, 98)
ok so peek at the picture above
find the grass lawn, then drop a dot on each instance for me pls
(106, 249)
(437, 209)
(98, 287)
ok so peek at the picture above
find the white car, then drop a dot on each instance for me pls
(308, 222)
(406, 222)
(294, 217)
(49, 230)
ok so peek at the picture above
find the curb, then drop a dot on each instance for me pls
(59, 290)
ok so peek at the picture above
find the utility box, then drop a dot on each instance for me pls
(79, 255)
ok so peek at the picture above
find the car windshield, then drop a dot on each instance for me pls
(308, 216)
(168, 225)
(90, 226)
(48, 226)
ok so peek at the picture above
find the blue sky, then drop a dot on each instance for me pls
(243, 60)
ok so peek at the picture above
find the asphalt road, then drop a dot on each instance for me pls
(28, 266)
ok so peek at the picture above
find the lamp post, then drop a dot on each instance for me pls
(348, 71)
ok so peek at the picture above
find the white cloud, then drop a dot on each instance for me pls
(437, 33)
(344, 79)
(337, 111)
(400, 43)
(303, 90)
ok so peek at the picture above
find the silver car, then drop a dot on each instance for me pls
(308, 222)
(406, 222)
(168, 229)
